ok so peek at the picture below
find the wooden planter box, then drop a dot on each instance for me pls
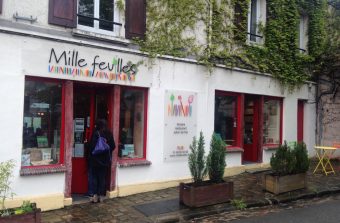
(31, 217)
(206, 194)
(282, 184)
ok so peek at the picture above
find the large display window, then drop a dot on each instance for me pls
(272, 119)
(42, 123)
(226, 123)
(132, 130)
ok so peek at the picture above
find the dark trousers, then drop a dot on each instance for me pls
(98, 175)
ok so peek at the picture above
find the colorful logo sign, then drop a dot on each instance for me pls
(70, 63)
(180, 106)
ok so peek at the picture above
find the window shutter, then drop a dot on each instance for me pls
(0, 6)
(63, 13)
(135, 17)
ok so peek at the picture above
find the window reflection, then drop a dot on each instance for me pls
(132, 123)
(41, 123)
(271, 121)
(225, 118)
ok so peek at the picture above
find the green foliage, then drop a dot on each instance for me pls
(120, 5)
(290, 158)
(216, 159)
(171, 28)
(26, 207)
(238, 204)
(301, 154)
(6, 169)
(197, 163)
(283, 161)
(167, 22)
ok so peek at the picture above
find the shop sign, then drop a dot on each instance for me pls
(72, 63)
(180, 123)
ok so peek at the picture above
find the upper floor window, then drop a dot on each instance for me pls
(256, 20)
(303, 34)
(100, 16)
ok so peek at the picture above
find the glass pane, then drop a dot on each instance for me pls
(101, 107)
(106, 13)
(132, 124)
(42, 122)
(86, 8)
(253, 19)
(81, 122)
(248, 120)
(271, 122)
(225, 118)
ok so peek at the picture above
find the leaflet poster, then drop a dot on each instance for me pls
(180, 123)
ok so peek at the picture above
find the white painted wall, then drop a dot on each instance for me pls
(25, 55)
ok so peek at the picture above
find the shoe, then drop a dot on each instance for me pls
(101, 198)
(95, 199)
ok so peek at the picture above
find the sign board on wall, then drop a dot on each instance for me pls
(180, 123)
(45, 58)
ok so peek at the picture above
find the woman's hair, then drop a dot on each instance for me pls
(101, 125)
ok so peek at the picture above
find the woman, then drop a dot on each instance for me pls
(100, 163)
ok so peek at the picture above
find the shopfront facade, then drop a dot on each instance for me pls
(53, 88)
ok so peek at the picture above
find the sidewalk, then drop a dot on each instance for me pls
(163, 205)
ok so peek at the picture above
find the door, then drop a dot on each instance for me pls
(89, 104)
(300, 117)
(251, 128)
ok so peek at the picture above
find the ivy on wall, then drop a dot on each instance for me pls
(172, 30)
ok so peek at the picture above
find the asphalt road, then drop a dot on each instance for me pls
(317, 210)
(328, 212)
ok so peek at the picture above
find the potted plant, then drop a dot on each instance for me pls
(27, 212)
(289, 167)
(215, 190)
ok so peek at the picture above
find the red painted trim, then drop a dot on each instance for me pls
(260, 128)
(241, 121)
(62, 130)
(68, 136)
(115, 96)
(281, 119)
(300, 120)
(145, 121)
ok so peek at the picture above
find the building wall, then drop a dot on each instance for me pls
(26, 53)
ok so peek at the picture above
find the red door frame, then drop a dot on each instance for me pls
(300, 120)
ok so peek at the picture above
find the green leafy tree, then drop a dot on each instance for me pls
(6, 169)
(216, 159)
(197, 163)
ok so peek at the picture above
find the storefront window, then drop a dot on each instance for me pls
(132, 121)
(225, 118)
(271, 121)
(42, 123)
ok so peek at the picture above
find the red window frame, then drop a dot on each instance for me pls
(145, 91)
(239, 118)
(62, 130)
(281, 119)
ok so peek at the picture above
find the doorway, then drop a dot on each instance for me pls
(89, 104)
(251, 128)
